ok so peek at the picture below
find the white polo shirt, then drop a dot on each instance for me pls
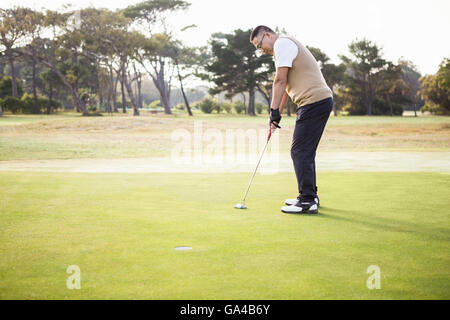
(285, 50)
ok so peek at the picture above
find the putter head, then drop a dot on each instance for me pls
(240, 206)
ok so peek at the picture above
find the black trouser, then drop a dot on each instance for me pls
(311, 121)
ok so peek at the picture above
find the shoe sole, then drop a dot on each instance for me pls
(305, 212)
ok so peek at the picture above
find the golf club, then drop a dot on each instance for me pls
(242, 205)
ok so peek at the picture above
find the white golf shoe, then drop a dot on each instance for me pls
(293, 202)
(301, 207)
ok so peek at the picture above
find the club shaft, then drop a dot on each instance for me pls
(256, 169)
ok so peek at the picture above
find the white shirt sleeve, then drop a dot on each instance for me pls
(285, 50)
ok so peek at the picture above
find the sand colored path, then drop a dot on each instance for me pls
(325, 161)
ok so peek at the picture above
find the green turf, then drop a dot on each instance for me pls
(120, 229)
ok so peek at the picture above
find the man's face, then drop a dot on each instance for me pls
(263, 43)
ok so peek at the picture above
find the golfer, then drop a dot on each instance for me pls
(298, 76)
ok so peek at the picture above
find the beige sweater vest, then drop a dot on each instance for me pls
(305, 83)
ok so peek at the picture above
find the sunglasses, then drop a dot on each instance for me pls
(260, 43)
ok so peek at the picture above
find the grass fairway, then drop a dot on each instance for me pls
(121, 230)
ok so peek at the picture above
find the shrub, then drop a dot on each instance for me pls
(238, 106)
(195, 105)
(259, 107)
(433, 108)
(180, 106)
(155, 104)
(209, 104)
(6, 87)
(381, 107)
(11, 104)
(28, 103)
(44, 103)
(119, 103)
(228, 107)
(105, 107)
(93, 114)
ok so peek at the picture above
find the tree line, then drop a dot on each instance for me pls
(95, 59)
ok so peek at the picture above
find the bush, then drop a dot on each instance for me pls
(228, 107)
(195, 105)
(119, 103)
(89, 99)
(433, 108)
(180, 106)
(209, 104)
(93, 114)
(6, 87)
(155, 104)
(381, 107)
(238, 106)
(28, 103)
(11, 104)
(354, 108)
(44, 103)
(105, 107)
(259, 107)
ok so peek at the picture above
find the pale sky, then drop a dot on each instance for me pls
(417, 30)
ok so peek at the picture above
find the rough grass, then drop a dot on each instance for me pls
(124, 136)
(120, 229)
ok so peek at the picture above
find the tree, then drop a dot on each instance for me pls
(411, 77)
(138, 78)
(33, 26)
(363, 74)
(150, 11)
(50, 84)
(155, 59)
(436, 90)
(184, 58)
(392, 89)
(333, 74)
(12, 34)
(102, 45)
(63, 54)
(109, 48)
(73, 51)
(125, 44)
(156, 49)
(236, 68)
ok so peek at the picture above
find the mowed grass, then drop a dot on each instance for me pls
(71, 136)
(121, 230)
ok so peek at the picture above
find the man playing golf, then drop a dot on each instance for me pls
(298, 76)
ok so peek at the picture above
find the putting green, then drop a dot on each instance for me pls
(121, 230)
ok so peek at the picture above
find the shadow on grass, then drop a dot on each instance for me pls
(384, 224)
